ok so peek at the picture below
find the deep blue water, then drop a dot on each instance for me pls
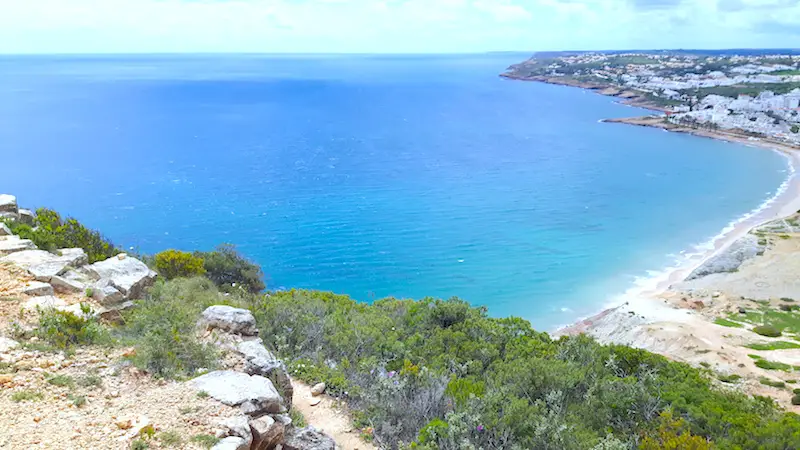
(373, 176)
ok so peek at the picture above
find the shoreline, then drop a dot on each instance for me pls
(784, 203)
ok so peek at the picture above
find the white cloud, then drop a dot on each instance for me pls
(390, 25)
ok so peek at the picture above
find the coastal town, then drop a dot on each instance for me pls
(757, 96)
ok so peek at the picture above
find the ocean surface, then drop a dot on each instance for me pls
(374, 176)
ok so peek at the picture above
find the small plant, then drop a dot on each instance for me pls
(796, 399)
(139, 444)
(89, 292)
(169, 438)
(90, 380)
(189, 409)
(298, 419)
(26, 396)
(202, 394)
(77, 400)
(788, 308)
(61, 380)
(767, 330)
(769, 382)
(205, 440)
(778, 345)
(63, 329)
(787, 299)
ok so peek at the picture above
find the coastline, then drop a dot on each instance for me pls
(646, 300)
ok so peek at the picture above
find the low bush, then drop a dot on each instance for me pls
(231, 271)
(772, 365)
(777, 345)
(732, 378)
(177, 264)
(63, 329)
(51, 232)
(770, 382)
(162, 328)
(767, 330)
(26, 396)
(796, 399)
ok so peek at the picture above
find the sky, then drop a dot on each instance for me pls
(392, 26)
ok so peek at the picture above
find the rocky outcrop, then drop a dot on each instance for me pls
(37, 288)
(12, 244)
(4, 230)
(256, 382)
(44, 265)
(229, 319)
(730, 259)
(128, 275)
(8, 207)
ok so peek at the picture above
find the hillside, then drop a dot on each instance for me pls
(186, 350)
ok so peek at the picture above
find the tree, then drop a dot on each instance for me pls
(177, 264)
(231, 271)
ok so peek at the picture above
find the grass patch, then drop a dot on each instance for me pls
(778, 345)
(169, 438)
(773, 365)
(298, 419)
(773, 383)
(756, 357)
(732, 378)
(139, 444)
(77, 400)
(27, 396)
(61, 380)
(727, 323)
(202, 394)
(91, 379)
(205, 440)
(189, 409)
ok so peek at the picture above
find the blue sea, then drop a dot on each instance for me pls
(374, 176)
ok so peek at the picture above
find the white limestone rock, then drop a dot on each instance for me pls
(14, 244)
(106, 293)
(37, 288)
(26, 216)
(231, 443)
(128, 275)
(4, 230)
(45, 265)
(267, 433)
(8, 207)
(259, 361)
(308, 438)
(254, 394)
(44, 302)
(230, 319)
(7, 344)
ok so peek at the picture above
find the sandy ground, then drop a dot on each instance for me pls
(328, 416)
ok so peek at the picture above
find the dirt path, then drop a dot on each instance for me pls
(328, 417)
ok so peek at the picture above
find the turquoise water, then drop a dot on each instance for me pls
(373, 176)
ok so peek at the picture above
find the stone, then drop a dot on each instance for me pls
(314, 401)
(26, 216)
(6, 379)
(267, 433)
(7, 344)
(13, 244)
(8, 206)
(4, 230)
(106, 293)
(231, 443)
(308, 438)
(259, 361)
(44, 302)
(254, 394)
(238, 426)
(37, 288)
(128, 275)
(45, 265)
(284, 419)
(113, 313)
(230, 319)
(66, 285)
(318, 389)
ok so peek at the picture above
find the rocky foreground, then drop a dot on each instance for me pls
(94, 398)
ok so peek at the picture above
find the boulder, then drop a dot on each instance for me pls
(231, 443)
(255, 395)
(230, 319)
(106, 293)
(267, 433)
(67, 285)
(13, 244)
(8, 207)
(237, 427)
(37, 288)
(43, 302)
(26, 216)
(318, 389)
(113, 313)
(308, 438)
(4, 230)
(45, 265)
(259, 361)
(129, 275)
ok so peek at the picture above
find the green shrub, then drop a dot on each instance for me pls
(772, 365)
(298, 419)
(777, 345)
(205, 440)
(162, 328)
(767, 330)
(727, 323)
(169, 438)
(61, 380)
(732, 378)
(51, 232)
(26, 396)
(63, 329)
(177, 264)
(231, 271)
(796, 399)
(770, 382)
(77, 400)
(139, 444)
